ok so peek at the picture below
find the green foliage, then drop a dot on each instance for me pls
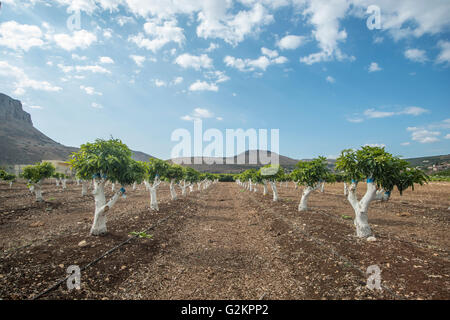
(382, 167)
(310, 173)
(141, 235)
(272, 172)
(226, 177)
(38, 172)
(174, 172)
(191, 175)
(5, 176)
(107, 159)
(156, 168)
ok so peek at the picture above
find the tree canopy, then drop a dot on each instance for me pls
(310, 173)
(38, 172)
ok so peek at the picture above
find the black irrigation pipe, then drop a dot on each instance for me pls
(335, 253)
(57, 284)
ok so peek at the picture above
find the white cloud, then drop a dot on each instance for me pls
(203, 86)
(36, 107)
(106, 60)
(90, 91)
(405, 143)
(422, 135)
(22, 81)
(220, 119)
(159, 83)
(374, 67)
(290, 42)
(261, 63)
(139, 60)
(269, 53)
(160, 35)
(447, 136)
(444, 55)
(177, 80)
(107, 33)
(378, 145)
(212, 46)
(123, 20)
(20, 36)
(199, 113)
(80, 39)
(414, 111)
(330, 79)
(416, 55)
(93, 69)
(77, 57)
(197, 62)
(96, 105)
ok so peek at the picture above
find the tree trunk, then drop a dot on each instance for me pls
(250, 185)
(361, 209)
(303, 205)
(134, 186)
(153, 199)
(199, 186)
(274, 190)
(64, 186)
(322, 187)
(101, 208)
(265, 191)
(57, 182)
(38, 192)
(173, 193)
(84, 187)
(191, 188)
(10, 184)
(345, 189)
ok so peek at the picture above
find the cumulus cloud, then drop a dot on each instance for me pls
(416, 55)
(22, 81)
(106, 60)
(377, 114)
(139, 60)
(20, 36)
(330, 79)
(198, 114)
(374, 67)
(90, 91)
(79, 39)
(96, 105)
(444, 55)
(268, 58)
(203, 86)
(422, 135)
(196, 62)
(158, 35)
(290, 42)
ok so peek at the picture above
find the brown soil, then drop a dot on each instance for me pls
(225, 243)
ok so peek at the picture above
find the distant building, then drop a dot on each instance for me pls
(60, 166)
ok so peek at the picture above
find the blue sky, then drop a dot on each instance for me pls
(138, 70)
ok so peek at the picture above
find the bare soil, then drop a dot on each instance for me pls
(225, 243)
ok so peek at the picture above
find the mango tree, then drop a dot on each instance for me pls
(155, 169)
(173, 175)
(8, 177)
(271, 174)
(102, 161)
(382, 173)
(35, 174)
(310, 174)
(190, 176)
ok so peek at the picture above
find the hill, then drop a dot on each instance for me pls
(22, 143)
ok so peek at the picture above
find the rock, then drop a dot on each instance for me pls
(371, 239)
(36, 224)
(82, 244)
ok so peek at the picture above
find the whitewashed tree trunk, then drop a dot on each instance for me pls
(303, 205)
(113, 186)
(274, 190)
(101, 208)
(134, 186)
(382, 195)
(265, 191)
(183, 188)
(250, 185)
(345, 189)
(38, 192)
(191, 188)
(10, 184)
(64, 185)
(173, 193)
(78, 182)
(84, 188)
(296, 184)
(361, 209)
(322, 187)
(31, 189)
(57, 182)
(199, 186)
